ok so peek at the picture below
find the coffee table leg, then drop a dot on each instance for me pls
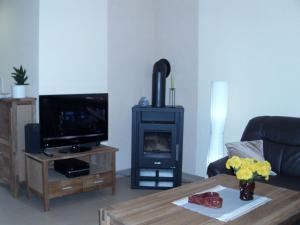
(104, 219)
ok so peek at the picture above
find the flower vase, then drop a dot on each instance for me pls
(247, 190)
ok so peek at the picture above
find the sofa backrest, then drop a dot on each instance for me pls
(281, 136)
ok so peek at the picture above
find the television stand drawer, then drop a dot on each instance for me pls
(97, 181)
(65, 187)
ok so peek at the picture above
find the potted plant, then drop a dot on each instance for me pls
(19, 88)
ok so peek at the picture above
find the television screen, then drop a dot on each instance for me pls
(67, 120)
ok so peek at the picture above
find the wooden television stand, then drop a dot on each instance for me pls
(44, 181)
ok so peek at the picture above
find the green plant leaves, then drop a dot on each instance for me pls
(19, 76)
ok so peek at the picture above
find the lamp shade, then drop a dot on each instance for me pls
(218, 114)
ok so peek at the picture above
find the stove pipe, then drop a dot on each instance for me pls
(161, 71)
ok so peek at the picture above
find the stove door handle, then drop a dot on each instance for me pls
(177, 152)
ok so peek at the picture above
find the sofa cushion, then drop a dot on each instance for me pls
(273, 152)
(290, 163)
(285, 159)
(246, 149)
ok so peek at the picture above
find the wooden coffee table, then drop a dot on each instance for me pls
(157, 209)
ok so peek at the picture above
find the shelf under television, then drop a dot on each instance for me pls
(54, 176)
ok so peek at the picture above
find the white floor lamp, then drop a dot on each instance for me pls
(218, 114)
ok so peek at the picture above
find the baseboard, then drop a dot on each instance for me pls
(123, 173)
(186, 177)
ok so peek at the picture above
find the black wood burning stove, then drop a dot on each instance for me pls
(157, 135)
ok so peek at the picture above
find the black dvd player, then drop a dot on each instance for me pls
(72, 167)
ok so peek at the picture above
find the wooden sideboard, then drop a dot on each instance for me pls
(14, 115)
(45, 182)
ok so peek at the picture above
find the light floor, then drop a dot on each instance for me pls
(79, 209)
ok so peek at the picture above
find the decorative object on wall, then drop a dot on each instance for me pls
(172, 92)
(218, 114)
(19, 88)
(161, 71)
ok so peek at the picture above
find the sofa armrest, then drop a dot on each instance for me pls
(218, 167)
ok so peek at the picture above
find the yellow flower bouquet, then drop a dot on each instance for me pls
(246, 170)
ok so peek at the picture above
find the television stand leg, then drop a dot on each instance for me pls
(46, 204)
(45, 185)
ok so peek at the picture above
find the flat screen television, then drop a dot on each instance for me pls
(73, 119)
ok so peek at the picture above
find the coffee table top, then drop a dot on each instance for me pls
(157, 209)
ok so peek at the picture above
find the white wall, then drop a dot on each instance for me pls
(19, 41)
(73, 46)
(131, 44)
(177, 40)
(110, 46)
(139, 34)
(254, 45)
